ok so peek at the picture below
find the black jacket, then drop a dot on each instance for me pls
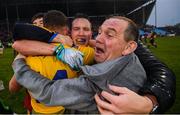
(161, 81)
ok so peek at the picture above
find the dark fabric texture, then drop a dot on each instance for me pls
(31, 32)
(161, 81)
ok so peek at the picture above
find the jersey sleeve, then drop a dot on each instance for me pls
(31, 32)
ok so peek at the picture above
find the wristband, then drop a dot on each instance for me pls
(155, 107)
(155, 104)
(58, 49)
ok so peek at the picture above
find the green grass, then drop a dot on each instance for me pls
(167, 51)
(14, 101)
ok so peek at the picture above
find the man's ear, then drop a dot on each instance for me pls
(129, 48)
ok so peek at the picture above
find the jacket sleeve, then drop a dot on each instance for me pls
(161, 81)
(71, 93)
(31, 32)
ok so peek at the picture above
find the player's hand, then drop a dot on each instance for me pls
(65, 40)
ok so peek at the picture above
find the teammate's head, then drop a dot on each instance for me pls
(37, 19)
(81, 31)
(55, 21)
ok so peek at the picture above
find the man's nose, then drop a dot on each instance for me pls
(99, 38)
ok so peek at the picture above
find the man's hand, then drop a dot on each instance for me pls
(126, 102)
(72, 57)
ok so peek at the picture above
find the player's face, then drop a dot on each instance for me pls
(38, 22)
(81, 31)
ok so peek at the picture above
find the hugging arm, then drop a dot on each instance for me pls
(13, 85)
(31, 32)
(27, 39)
(70, 93)
(161, 82)
(33, 48)
(159, 88)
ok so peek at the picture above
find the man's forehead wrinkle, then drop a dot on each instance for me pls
(114, 20)
(113, 24)
(108, 28)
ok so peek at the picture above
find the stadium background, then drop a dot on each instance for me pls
(23, 10)
(12, 11)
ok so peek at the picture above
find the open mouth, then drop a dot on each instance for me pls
(99, 50)
(81, 41)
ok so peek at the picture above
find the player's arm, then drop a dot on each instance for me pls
(24, 31)
(29, 47)
(14, 86)
(70, 93)
(31, 32)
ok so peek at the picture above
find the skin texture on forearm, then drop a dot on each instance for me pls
(13, 85)
(33, 48)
